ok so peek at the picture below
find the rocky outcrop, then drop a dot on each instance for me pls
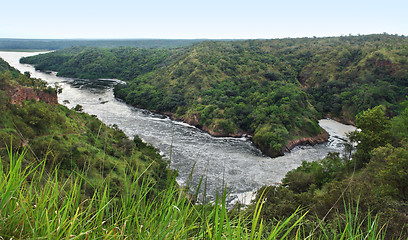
(342, 119)
(20, 93)
(192, 120)
(320, 138)
(212, 130)
(222, 133)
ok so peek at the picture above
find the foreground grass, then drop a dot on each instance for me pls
(35, 205)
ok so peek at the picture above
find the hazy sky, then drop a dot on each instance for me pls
(200, 19)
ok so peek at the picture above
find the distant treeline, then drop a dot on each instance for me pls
(54, 44)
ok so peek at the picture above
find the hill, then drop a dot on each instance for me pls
(92, 63)
(273, 90)
(54, 44)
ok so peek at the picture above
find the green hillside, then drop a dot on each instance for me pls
(92, 63)
(274, 90)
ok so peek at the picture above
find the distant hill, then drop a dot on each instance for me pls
(54, 44)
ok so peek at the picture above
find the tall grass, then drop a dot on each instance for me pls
(38, 206)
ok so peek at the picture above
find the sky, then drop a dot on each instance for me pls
(198, 19)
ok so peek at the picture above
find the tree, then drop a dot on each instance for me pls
(3, 99)
(78, 108)
(389, 166)
(27, 74)
(399, 125)
(373, 130)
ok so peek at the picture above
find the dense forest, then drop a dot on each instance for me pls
(92, 63)
(273, 90)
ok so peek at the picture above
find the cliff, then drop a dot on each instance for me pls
(20, 93)
(320, 138)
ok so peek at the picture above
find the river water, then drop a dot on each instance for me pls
(231, 161)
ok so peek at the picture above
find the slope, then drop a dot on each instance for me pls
(70, 140)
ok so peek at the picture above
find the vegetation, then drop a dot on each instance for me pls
(92, 63)
(64, 174)
(375, 179)
(274, 90)
(35, 206)
(72, 141)
(229, 89)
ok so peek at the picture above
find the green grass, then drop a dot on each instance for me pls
(34, 205)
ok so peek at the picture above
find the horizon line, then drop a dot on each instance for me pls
(197, 39)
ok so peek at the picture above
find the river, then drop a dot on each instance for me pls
(235, 162)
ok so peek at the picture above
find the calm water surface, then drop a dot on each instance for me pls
(232, 161)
